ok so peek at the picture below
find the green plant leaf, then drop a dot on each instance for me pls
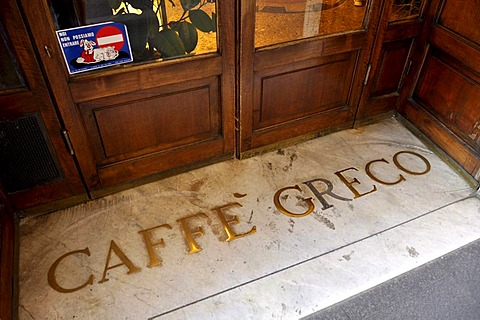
(141, 4)
(153, 24)
(168, 43)
(188, 34)
(189, 4)
(214, 21)
(201, 20)
(114, 4)
(137, 28)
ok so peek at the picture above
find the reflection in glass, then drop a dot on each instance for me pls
(10, 77)
(278, 21)
(405, 9)
(158, 29)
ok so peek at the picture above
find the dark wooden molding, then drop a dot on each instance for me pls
(8, 277)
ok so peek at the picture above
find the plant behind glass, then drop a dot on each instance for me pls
(152, 35)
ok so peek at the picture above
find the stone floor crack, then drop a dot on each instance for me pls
(25, 309)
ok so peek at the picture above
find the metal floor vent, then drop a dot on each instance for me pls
(25, 157)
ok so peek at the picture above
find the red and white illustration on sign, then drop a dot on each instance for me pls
(109, 41)
(110, 36)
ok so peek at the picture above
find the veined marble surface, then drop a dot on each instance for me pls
(365, 231)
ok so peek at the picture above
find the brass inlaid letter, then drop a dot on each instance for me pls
(370, 174)
(147, 237)
(349, 184)
(234, 220)
(320, 195)
(399, 166)
(125, 261)
(193, 246)
(52, 281)
(281, 208)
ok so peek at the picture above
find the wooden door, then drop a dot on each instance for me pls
(302, 64)
(171, 108)
(398, 32)
(444, 95)
(36, 167)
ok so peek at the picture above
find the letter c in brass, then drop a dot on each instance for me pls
(52, 281)
(374, 178)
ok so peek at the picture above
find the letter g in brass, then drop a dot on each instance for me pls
(281, 208)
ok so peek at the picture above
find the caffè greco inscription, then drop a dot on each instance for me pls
(399, 169)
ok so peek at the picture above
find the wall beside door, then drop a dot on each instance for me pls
(444, 95)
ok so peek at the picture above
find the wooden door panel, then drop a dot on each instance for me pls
(406, 30)
(442, 89)
(389, 69)
(442, 136)
(160, 162)
(134, 124)
(139, 78)
(448, 43)
(429, 91)
(469, 123)
(145, 132)
(310, 87)
(462, 19)
(393, 60)
(175, 119)
(311, 49)
(442, 86)
(328, 121)
(387, 80)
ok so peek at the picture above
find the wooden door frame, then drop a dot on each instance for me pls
(33, 100)
(303, 49)
(38, 14)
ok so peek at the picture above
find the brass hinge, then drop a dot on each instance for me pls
(237, 124)
(68, 142)
(48, 51)
(367, 75)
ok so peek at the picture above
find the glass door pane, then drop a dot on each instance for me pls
(405, 10)
(10, 77)
(279, 21)
(158, 29)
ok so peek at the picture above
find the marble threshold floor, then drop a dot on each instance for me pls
(277, 236)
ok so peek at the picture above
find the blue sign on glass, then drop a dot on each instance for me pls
(95, 46)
